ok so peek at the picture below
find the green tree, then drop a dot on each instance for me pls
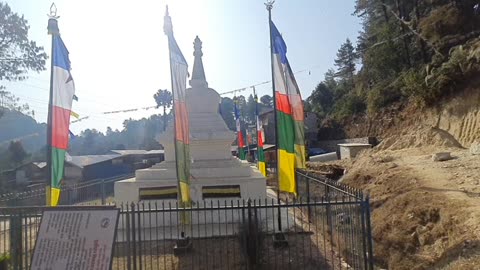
(19, 54)
(329, 80)
(17, 153)
(345, 62)
(109, 131)
(226, 111)
(9, 101)
(92, 142)
(164, 99)
(321, 100)
(250, 110)
(242, 107)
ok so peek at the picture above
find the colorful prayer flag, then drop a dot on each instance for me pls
(240, 140)
(62, 96)
(179, 73)
(74, 114)
(290, 128)
(260, 153)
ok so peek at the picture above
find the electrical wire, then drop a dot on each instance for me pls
(265, 82)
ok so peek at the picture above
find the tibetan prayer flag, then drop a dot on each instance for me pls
(74, 114)
(260, 141)
(63, 91)
(290, 117)
(179, 73)
(240, 140)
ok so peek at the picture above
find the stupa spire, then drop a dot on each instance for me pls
(198, 73)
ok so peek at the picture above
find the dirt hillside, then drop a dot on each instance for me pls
(456, 119)
(425, 214)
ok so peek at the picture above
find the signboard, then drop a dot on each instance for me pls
(75, 238)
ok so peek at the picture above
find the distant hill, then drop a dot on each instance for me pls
(136, 134)
(15, 125)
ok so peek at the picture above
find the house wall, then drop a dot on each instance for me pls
(349, 152)
(106, 169)
(21, 176)
(73, 173)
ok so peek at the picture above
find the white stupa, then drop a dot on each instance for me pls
(216, 174)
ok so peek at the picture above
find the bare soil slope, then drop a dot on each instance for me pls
(425, 214)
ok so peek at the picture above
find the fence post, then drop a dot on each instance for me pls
(369, 232)
(16, 240)
(134, 243)
(328, 210)
(103, 191)
(249, 235)
(309, 208)
(127, 231)
(139, 227)
(363, 211)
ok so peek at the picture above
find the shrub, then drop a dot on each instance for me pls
(349, 105)
(381, 95)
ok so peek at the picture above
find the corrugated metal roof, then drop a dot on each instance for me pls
(151, 152)
(137, 152)
(40, 164)
(129, 152)
(82, 161)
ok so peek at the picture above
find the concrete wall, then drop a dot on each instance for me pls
(324, 158)
(332, 145)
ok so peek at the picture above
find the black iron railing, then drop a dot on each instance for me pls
(328, 227)
(94, 192)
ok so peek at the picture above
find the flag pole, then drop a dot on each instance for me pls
(246, 140)
(179, 192)
(169, 32)
(256, 122)
(269, 6)
(52, 30)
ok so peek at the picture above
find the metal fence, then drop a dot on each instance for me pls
(328, 228)
(342, 220)
(94, 192)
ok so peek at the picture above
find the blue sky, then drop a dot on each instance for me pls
(119, 52)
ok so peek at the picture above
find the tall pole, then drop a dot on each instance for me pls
(52, 30)
(269, 6)
(256, 121)
(257, 130)
(173, 111)
(169, 32)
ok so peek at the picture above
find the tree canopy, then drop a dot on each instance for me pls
(417, 50)
(18, 53)
(16, 152)
(164, 99)
(246, 106)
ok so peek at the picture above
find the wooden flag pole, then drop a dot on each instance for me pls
(269, 6)
(52, 30)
